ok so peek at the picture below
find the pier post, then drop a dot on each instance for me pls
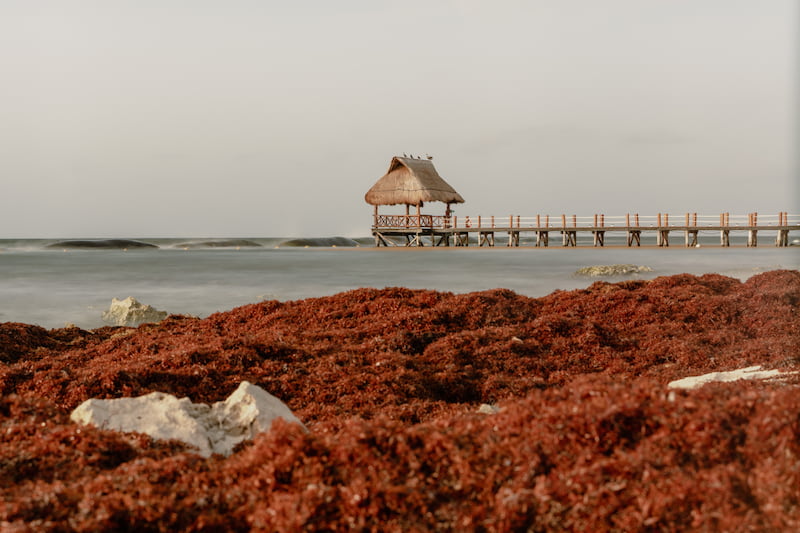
(569, 237)
(686, 230)
(599, 235)
(782, 239)
(542, 236)
(658, 230)
(691, 234)
(752, 232)
(724, 234)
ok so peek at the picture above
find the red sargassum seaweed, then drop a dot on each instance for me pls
(587, 436)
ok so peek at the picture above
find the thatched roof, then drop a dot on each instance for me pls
(413, 182)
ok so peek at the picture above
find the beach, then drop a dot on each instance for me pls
(482, 410)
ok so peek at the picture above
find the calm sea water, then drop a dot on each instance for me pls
(54, 286)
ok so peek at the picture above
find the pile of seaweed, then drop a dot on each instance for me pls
(586, 434)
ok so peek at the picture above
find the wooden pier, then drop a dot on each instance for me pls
(431, 230)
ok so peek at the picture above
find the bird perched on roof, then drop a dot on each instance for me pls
(429, 157)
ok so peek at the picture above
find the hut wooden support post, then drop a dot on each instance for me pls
(380, 240)
(486, 238)
(414, 239)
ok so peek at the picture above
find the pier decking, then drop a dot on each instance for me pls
(432, 230)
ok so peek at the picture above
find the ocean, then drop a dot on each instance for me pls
(52, 283)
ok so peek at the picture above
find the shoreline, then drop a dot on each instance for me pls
(389, 383)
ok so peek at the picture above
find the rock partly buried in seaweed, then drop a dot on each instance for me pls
(218, 428)
(612, 270)
(102, 244)
(751, 372)
(131, 312)
(227, 243)
(320, 242)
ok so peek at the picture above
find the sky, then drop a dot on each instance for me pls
(263, 118)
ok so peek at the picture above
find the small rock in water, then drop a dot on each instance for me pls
(612, 270)
(131, 312)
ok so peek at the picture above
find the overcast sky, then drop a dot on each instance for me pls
(260, 118)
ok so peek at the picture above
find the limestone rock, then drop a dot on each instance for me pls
(131, 312)
(218, 428)
(612, 270)
(488, 409)
(750, 372)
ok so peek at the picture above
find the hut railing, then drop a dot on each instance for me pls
(412, 221)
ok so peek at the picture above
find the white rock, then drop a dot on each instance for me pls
(750, 372)
(612, 270)
(487, 409)
(130, 312)
(247, 412)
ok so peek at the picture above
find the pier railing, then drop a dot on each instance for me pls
(459, 228)
(660, 220)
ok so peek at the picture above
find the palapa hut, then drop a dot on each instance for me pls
(410, 181)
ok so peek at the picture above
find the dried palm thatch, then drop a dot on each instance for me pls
(412, 182)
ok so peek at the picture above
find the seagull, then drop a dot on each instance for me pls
(404, 154)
